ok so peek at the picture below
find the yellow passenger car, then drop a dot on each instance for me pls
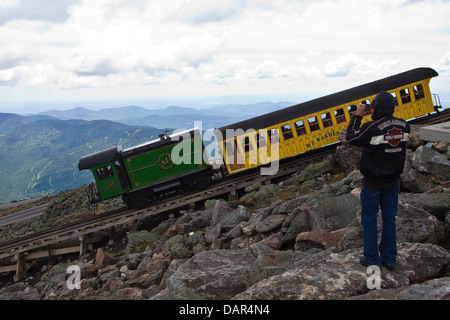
(317, 123)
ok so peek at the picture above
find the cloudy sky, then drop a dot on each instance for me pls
(60, 52)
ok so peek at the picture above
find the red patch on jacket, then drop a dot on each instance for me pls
(394, 137)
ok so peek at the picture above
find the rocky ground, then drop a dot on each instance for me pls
(299, 239)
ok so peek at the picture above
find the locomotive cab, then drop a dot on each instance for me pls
(109, 174)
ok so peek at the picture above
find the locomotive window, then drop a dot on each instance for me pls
(300, 128)
(122, 180)
(395, 98)
(405, 96)
(418, 92)
(287, 132)
(351, 109)
(340, 116)
(313, 124)
(104, 172)
(326, 120)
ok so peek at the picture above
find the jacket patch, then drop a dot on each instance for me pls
(394, 137)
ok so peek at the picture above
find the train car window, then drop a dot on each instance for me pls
(104, 172)
(339, 115)
(351, 110)
(300, 128)
(394, 94)
(273, 134)
(326, 120)
(260, 140)
(405, 96)
(418, 92)
(313, 124)
(229, 148)
(246, 144)
(232, 150)
(233, 158)
(287, 132)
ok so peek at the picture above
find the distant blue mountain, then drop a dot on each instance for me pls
(172, 116)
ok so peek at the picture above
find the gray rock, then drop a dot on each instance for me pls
(330, 275)
(316, 169)
(201, 219)
(417, 225)
(327, 212)
(270, 223)
(299, 224)
(264, 196)
(434, 289)
(212, 233)
(216, 274)
(429, 160)
(220, 210)
(138, 241)
(436, 204)
(230, 220)
(413, 181)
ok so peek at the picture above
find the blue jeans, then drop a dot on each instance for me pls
(371, 201)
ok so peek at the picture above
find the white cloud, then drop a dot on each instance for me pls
(9, 3)
(352, 63)
(207, 11)
(444, 63)
(212, 46)
(42, 10)
(14, 55)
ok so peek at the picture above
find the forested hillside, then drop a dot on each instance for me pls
(40, 156)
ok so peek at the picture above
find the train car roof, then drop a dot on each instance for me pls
(98, 158)
(158, 143)
(331, 100)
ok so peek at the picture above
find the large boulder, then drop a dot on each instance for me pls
(436, 204)
(417, 225)
(216, 274)
(315, 170)
(260, 195)
(328, 212)
(331, 275)
(230, 220)
(434, 289)
(429, 160)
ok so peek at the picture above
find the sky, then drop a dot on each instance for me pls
(98, 53)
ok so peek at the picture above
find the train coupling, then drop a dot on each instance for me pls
(92, 193)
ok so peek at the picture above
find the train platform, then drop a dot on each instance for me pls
(436, 132)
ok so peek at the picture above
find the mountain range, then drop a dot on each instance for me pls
(171, 117)
(39, 153)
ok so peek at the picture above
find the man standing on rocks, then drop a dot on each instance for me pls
(382, 162)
